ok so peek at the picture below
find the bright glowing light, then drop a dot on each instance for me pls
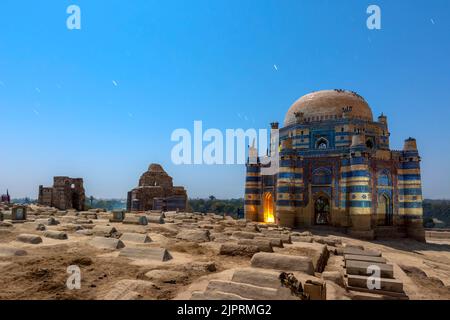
(268, 208)
(270, 217)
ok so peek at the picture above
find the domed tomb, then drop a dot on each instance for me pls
(156, 192)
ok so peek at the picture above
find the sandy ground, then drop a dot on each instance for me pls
(424, 268)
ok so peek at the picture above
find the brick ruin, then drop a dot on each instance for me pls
(156, 192)
(66, 193)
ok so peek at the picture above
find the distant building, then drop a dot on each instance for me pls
(66, 193)
(336, 169)
(5, 198)
(156, 192)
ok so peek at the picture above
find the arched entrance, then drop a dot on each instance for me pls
(384, 210)
(269, 216)
(322, 211)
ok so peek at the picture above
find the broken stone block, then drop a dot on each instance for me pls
(243, 290)
(213, 295)
(4, 224)
(331, 241)
(104, 231)
(106, 243)
(166, 276)
(244, 235)
(69, 227)
(283, 262)
(29, 238)
(48, 221)
(262, 245)
(194, 235)
(157, 254)
(7, 215)
(57, 235)
(364, 258)
(41, 227)
(391, 285)
(302, 234)
(85, 232)
(353, 246)
(135, 237)
(138, 220)
(83, 221)
(275, 242)
(206, 226)
(219, 237)
(257, 277)
(316, 290)
(130, 290)
(306, 239)
(230, 249)
(361, 268)
(317, 252)
(354, 251)
(334, 276)
(208, 266)
(285, 238)
(155, 219)
(11, 252)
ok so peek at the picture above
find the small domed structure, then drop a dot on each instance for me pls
(156, 192)
(155, 167)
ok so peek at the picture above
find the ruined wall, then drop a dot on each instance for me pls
(66, 193)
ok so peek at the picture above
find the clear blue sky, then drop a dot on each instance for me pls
(179, 61)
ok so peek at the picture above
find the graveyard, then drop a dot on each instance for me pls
(155, 255)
